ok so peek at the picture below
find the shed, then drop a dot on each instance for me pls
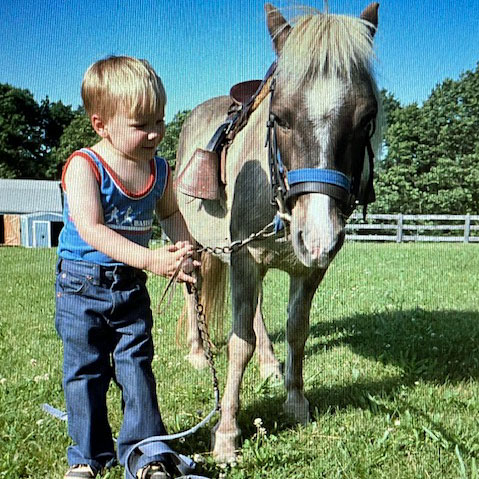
(30, 212)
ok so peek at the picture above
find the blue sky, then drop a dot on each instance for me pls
(202, 47)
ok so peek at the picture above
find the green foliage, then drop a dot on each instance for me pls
(56, 117)
(432, 152)
(20, 134)
(430, 158)
(78, 134)
(29, 133)
(167, 148)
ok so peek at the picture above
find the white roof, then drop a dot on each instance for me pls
(30, 196)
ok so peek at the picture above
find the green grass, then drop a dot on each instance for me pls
(391, 372)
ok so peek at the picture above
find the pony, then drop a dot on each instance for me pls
(319, 111)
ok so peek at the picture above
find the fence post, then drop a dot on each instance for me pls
(399, 232)
(467, 228)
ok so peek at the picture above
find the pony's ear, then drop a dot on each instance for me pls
(278, 27)
(370, 14)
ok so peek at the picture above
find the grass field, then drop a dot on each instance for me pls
(391, 372)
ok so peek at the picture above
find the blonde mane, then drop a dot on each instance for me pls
(325, 44)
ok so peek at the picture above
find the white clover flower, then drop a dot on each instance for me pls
(258, 422)
(44, 377)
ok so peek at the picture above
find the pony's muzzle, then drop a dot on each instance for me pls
(317, 230)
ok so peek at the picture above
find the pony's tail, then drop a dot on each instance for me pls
(213, 283)
(214, 273)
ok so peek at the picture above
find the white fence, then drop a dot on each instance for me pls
(401, 228)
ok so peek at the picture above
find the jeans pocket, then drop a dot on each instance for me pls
(69, 283)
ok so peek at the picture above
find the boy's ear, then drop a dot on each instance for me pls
(99, 125)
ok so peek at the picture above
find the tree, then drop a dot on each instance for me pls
(432, 155)
(56, 117)
(78, 134)
(169, 145)
(20, 134)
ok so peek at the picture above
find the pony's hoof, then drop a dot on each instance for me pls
(224, 450)
(271, 370)
(197, 360)
(298, 409)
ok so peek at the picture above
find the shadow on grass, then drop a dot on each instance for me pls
(434, 346)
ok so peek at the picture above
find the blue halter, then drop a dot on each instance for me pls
(313, 175)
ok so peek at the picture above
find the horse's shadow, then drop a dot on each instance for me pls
(427, 346)
(430, 345)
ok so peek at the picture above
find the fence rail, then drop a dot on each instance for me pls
(401, 228)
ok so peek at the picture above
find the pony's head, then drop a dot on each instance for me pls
(325, 106)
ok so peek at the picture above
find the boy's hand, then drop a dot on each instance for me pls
(165, 261)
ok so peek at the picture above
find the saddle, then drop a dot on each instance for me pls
(205, 173)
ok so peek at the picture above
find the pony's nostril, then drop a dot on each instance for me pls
(301, 237)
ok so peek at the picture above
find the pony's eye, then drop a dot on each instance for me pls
(281, 122)
(368, 125)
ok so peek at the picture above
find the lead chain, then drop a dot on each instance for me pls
(199, 308)
(238, 244)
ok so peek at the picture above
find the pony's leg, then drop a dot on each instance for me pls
(196, 356)
(268, 364)
(301, 293)
(245, 285)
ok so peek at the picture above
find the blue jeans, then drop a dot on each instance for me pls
(104, 319)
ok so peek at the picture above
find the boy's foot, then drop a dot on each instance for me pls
(80, 471)
(155, 470)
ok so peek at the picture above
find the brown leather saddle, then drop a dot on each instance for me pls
(204, 176)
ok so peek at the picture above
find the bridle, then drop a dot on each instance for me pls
(287, 185)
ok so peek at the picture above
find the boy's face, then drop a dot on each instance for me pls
(136, 137)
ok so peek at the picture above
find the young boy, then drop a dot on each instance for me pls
(103, 313)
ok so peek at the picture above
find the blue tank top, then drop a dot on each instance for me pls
(129, 214)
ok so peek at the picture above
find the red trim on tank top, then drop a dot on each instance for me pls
(86, 157)
(121, 186)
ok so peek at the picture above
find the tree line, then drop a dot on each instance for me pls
(429, 163)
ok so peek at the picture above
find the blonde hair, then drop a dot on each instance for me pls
(325, 44)
(122, 82)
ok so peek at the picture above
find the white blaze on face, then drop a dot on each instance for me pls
(323, 102)
(320, 230)
(320, 225)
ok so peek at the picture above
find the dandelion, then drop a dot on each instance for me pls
(33, 362)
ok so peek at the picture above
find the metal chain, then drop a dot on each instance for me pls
(262, 234)
(238, 244)
(206, 340)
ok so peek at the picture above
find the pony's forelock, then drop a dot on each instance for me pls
(326, 44)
